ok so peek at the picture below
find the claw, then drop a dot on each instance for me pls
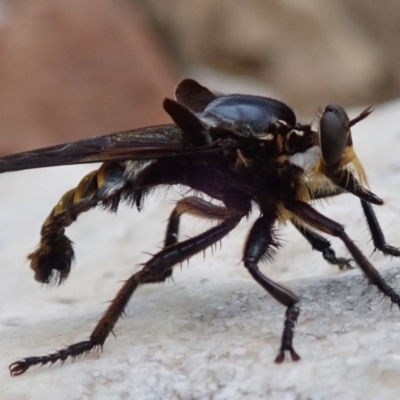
(18, 367)
(389, 250)
(281, 356)
(344, 263)
(294, 355)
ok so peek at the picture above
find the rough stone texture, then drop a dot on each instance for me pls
(309, 52)
(212, 332)
(73, 69)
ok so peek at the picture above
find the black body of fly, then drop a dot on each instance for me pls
(243, 152)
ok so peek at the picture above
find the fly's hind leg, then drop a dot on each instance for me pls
(155, 270)
(52, 260)
(192, 206)
(196, 207)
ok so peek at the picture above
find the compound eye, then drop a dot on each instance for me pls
(334, 130)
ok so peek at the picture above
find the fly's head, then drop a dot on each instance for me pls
(335, 167)
(336, 144)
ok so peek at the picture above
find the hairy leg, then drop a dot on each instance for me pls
(313, 218)
(260, 243)
(157, 269)
(323, 245)
(193, 206)
(377, 235)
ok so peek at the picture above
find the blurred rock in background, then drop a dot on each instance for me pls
(308, 52)
(78, 68)
(89, 67)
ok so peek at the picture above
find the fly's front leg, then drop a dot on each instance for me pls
(318, 221)
(377, 235)
(155, 270)
(52, 260)
(346, 181)
(261, 243)
(323, 245)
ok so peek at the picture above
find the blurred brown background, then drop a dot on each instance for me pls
(78, 68)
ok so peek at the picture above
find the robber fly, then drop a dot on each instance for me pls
(242, 151)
